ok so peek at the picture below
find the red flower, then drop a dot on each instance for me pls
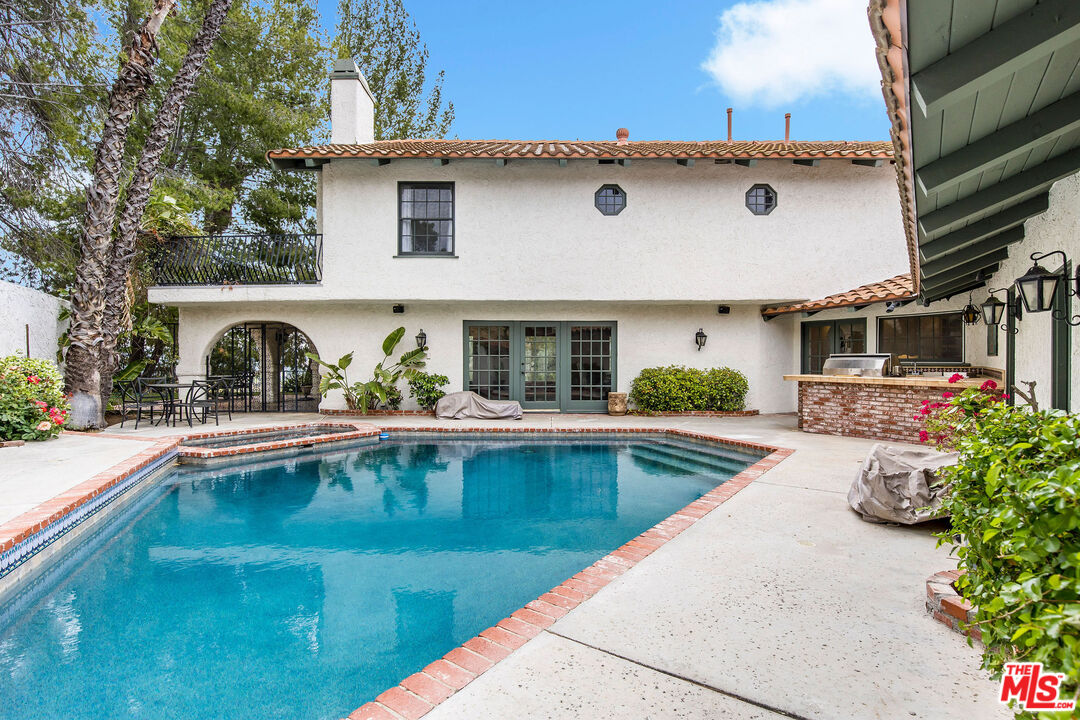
(924, 410)
(956, 377)
(918, 417)
(923, 436)
(947, 394)
(988, 385)
(33, 379)
(1006, 395)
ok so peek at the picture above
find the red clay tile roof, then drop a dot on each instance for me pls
(602, 149)
(896, 288)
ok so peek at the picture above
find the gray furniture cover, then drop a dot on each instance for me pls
(897, 485)
(468, 404)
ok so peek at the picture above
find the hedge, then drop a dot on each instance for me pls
(680, 389)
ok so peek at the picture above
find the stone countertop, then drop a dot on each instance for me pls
(915, 381)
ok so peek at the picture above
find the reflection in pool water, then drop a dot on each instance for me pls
(302, 588)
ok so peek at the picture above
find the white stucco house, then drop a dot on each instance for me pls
(552, 272)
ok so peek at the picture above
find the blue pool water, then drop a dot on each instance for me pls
(301, 588)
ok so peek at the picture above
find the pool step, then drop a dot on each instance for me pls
(648, 454)
(714, 461)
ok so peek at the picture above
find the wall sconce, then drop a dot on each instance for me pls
(421, 339)
(970, 314)
(993, 310)
(398, 309)
(700, 337)
(1038, 286)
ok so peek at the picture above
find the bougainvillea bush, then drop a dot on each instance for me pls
(1014, 503)
(32, 401)
(956, 414)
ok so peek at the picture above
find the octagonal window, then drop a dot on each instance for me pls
(610, 199)
(761, 199)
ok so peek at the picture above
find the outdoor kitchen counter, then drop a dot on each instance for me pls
(913, 381)
(880, 408)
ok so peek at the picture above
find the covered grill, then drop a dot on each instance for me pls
(858, 364)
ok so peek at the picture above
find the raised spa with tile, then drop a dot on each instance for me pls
(303, 587)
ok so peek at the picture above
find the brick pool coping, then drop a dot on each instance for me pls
(421, 692)
(355, 431)
(24, 526)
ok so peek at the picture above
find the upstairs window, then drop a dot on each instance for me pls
(610, 199)
(761, 199)
(426, 219)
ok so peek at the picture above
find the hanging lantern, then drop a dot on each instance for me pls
(700, 337)
(421, 339)
(1038, 286)
(992, 311)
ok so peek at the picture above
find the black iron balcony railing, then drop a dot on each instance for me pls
(238, 260)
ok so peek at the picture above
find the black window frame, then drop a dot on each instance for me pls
(768, 188)
(609, 186)
(939, 360)
(806, 359)
(417, 184)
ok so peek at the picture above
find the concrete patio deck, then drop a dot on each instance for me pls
(780, 603)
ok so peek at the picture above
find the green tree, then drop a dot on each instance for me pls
(382, 37)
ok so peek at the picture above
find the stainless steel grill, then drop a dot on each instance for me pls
(858, 364)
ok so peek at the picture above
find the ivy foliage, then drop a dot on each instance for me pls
(1015, 506)
(680, 389)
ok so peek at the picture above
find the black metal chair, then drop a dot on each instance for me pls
(127, 397)
(202, 396)
(226, 389)
(147, 398)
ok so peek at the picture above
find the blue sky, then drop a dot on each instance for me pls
(665, 70)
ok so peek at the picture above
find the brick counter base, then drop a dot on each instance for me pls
(946, 605)
(877, 412)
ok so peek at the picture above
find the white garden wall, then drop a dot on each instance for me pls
(24, 308)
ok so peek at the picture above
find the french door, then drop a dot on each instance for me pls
(557, 365)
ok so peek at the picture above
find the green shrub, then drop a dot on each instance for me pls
(32, 401)
(1015, 506)
(426, 389)
(680, 389)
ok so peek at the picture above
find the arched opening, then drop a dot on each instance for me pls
(267, 366)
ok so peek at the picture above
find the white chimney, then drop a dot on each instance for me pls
(352, 107)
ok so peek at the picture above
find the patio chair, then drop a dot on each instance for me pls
(202, 396)
(128, 397)
(147, 398)
(226, 389)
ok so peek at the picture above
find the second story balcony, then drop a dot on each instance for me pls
(255, 259)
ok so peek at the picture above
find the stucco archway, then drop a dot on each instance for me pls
(267, 364)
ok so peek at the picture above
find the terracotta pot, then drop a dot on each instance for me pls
(616, 403)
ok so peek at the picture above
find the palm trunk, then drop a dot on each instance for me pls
(82, 374)
(138, 193)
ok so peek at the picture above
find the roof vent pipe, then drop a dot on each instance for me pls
(729, 124)
(622, 135)
(787, 127)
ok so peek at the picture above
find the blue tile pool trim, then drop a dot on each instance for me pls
(26, 549)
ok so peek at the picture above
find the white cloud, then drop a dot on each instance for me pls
(772, 52)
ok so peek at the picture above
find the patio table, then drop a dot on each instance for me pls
(173, 402)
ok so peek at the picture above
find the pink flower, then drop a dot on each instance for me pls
(44, 425)
(946, 394)
(988, 385)
(925, 402)
(956, 377)
(918, 417)
(33, 379)
(923, 436)
(924, 410)
(40, 404)
(1006, 395)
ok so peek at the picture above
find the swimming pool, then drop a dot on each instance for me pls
(300, 588)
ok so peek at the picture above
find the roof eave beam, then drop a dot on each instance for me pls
(1021, 186)
(987, 227)
(501, 162)
(685, 162)
(1048, 26)
(379, 162)
(962, 285)
(972, 252)
(807, 162)
(867, 162)
(1011, 141)
(962, 271)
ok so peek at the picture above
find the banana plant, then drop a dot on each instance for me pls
(384, 377)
